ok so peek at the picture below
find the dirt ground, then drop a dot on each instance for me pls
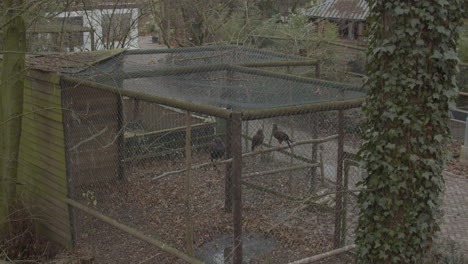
(157, 209)
(454, 166)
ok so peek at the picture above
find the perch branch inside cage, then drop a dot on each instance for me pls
(324, 255)
(298, 167)
(270, 191)
(306, 201)
(298, 143)
(169, 173)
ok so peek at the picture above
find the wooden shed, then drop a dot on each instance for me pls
(349, 15)
(60, 129)
(42, 164)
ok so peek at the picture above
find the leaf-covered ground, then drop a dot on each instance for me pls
(455, 166)
(157, 209)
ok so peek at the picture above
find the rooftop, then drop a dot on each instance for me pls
(340, 9)
(218, 76)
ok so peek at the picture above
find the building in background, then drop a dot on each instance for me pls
(91, 27)
(349, 15)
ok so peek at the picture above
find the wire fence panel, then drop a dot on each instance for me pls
(116, 145)
(107, 244)
(199, 180)
(211, 154)
(129, 161)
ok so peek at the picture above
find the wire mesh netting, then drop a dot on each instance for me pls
(208, 76)
(148, 162)
(134, 60)
(278, 211)
(116, 146)
(190, 151)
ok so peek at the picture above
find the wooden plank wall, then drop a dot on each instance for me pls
(93, 135)
(152, 116)
(41, 162)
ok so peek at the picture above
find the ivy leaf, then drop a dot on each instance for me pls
(451, 55)
(443, 2)
(400, 11)
(413, 158)
(443, 30)
(411, 84)
(414, 22)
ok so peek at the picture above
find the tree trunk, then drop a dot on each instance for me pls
(11, 102)
(410, 87)
(179, 23)
(165, 24)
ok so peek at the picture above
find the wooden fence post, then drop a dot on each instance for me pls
(339, 181)
(236, 174)
(344, 213)
(188, 185)
(313, 171)
(228, 173)
(317, 70)
(121, 124)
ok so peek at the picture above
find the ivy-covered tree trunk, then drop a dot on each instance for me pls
(11, 104)
(412, 66)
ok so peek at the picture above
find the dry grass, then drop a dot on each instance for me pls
(22, 242)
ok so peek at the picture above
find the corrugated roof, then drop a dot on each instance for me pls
(340, 9)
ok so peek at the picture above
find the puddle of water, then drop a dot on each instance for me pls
(252, 246)
(329, 171)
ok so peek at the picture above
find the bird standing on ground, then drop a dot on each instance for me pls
(257, 140)
(281, 136)
(217, 149)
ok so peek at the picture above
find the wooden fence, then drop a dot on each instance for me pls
(42, 171)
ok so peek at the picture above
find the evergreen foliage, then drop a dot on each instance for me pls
(411, 84)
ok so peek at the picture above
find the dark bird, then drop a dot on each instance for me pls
(217, 149)
(257, 140)
(281, 136)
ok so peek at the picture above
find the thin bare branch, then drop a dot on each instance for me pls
(324, 255)
(320, 140)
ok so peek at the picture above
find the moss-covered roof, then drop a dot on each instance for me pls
(70, 62)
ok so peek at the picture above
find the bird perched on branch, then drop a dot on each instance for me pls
(257, 140)
(217, 149)
(281, 136)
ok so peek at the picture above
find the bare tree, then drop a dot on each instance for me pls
(85, 25)
(192, 23)
(115, 24)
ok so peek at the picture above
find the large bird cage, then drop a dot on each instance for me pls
(137, 133)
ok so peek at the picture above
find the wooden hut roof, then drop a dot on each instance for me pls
(70, 62)
(340, 9)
